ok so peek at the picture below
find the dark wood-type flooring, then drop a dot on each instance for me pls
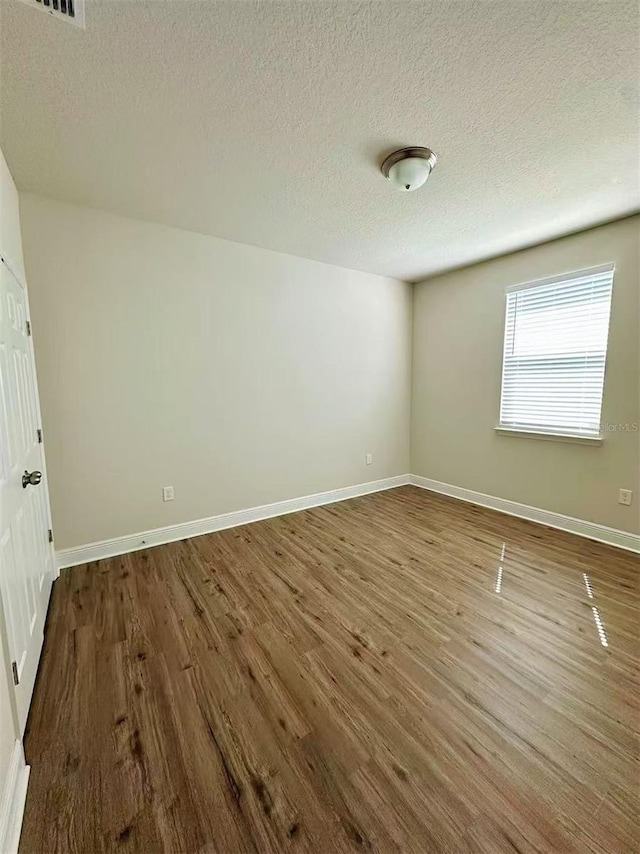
(399, 672)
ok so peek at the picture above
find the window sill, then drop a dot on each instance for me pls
(574, 438)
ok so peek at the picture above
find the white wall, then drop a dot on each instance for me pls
(457, 365)
(237, 375)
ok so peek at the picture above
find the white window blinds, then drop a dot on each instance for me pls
(555, 347)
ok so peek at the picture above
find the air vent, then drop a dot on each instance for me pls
(67, 10)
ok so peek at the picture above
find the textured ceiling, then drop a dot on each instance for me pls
(264, 122)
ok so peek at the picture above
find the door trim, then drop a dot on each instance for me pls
(19, 707)
(43, 461)
(13, 800)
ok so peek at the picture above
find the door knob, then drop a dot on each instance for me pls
(32, 478)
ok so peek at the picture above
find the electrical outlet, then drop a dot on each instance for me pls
(167, 493)
(624, 497)
(369, 459)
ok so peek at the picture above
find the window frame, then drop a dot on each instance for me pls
(547, 433)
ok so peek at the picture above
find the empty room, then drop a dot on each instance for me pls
(319, 426)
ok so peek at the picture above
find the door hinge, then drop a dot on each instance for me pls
(28, 328)
(39, 436)
(50, 535)
(14, 667)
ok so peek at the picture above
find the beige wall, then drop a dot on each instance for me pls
(243, 377)
(457, 361)
(237, 375)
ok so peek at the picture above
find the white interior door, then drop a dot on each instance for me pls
(26, 555)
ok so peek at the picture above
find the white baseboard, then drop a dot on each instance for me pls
(183, 530)
(611, 536)
(159, 536)
(14, 796)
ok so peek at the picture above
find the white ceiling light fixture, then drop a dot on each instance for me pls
(409, 168)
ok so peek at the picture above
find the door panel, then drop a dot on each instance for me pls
(26, 556)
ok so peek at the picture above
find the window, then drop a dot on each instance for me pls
(555, 347)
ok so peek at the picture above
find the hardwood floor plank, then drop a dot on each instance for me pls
(397, 673)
